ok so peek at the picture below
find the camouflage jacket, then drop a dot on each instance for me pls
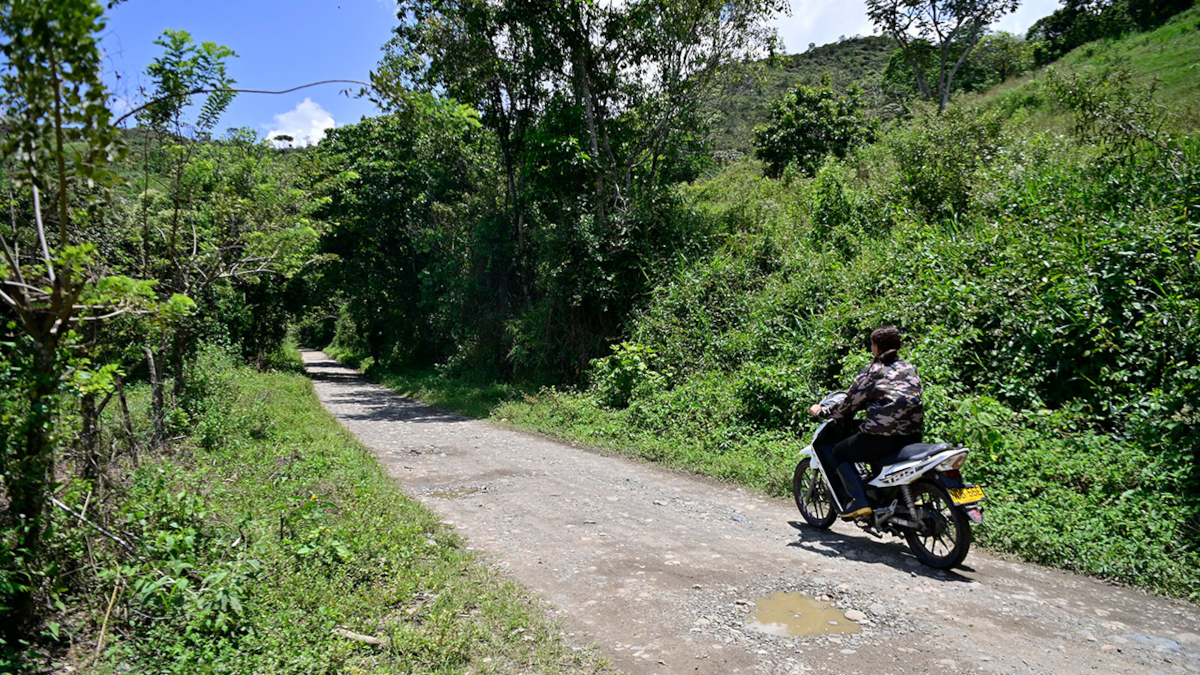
(891, 395)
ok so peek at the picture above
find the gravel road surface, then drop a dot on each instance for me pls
(661, 569)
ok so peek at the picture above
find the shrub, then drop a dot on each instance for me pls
(937, 156)
(771, 397)
(810, 123)
(629, 369)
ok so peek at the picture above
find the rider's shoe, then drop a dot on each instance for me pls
(857, 504)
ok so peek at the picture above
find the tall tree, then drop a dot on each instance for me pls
(592, 104)
(646, 65)
(948, 28)
(57, 142)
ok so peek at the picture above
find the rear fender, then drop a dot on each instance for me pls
(949, 482)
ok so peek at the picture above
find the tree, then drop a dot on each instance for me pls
(57, 145)
(997, 57)
(1080, 21)
(950, 28)
(399, 192)
(645, 64)
(810, 123)
(607, 96)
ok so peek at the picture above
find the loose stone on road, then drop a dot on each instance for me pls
(663, 571)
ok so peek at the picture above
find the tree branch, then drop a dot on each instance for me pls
(99, 529)
(41, 233)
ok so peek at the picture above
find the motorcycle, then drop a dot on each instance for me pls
(917, 493)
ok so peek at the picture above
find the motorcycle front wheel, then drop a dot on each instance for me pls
(812, 496)
(944, 531)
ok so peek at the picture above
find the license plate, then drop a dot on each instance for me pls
(967, 495)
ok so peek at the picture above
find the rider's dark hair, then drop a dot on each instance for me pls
(887, 338)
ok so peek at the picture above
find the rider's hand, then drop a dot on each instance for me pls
(815, 411)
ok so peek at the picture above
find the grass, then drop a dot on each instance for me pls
(1167, 59)
(271, 527)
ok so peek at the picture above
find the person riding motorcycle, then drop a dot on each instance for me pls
(889, 390)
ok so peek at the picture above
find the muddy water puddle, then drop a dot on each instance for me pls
(456, 493)
(788, 614)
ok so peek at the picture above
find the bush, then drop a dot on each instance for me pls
(771, 397)
(629, 370)
(810, 123)
(938, 154)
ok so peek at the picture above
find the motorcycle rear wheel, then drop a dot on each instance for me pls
(945, 535)
(812, 496)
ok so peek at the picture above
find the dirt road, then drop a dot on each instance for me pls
(661, 569)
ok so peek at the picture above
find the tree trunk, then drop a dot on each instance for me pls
(157, 408)
(89, 412)
(31, 473)
(178, 373)
(127, 419)
(583, 92)
(89, 436)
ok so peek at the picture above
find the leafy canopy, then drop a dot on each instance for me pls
(810, 123)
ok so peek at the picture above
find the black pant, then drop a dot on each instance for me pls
(870, 447)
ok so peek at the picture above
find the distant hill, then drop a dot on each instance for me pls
(1166, 59)
(854, 60)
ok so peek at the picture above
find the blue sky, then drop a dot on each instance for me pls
(282, 44)
(279, 43)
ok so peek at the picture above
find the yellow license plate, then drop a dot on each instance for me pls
(967, 495)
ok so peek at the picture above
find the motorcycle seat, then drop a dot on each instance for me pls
(915, 451)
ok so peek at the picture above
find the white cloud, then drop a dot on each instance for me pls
(121, 105)
(822, 21)
(306, 123)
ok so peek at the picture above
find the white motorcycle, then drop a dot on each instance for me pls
(917, 493)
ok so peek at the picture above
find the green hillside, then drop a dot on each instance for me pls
(858, 60)
(1165, 60)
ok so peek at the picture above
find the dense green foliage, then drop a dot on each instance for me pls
(263, 531)
(808, 124)
(567, 219)
(936, 37)
(746, 103)
(1078, 22)
(530, 240)
(164, 509)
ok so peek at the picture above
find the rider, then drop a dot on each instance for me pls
(890, 391)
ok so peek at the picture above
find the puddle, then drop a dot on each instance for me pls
(795, 614)
(454, 494)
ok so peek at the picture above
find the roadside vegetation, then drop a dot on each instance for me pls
(270, 540)
(174, 498)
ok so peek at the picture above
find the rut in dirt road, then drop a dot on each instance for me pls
(662, 569)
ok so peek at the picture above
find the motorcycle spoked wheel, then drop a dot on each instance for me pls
(945, 531)
(812, 496)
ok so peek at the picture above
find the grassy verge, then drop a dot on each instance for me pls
(270, 530)
(1163, 59)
